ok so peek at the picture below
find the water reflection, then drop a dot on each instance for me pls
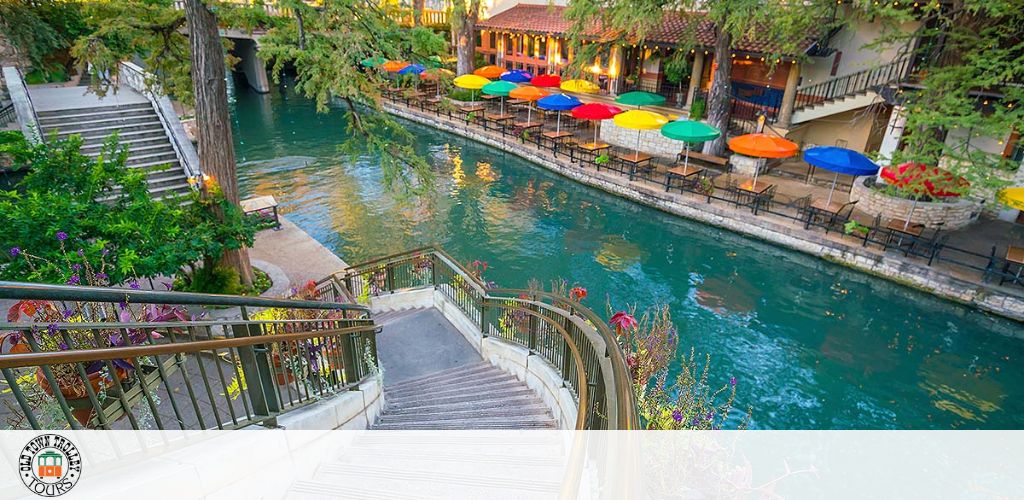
(812, 344)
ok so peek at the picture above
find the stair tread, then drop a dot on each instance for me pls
(439, 375)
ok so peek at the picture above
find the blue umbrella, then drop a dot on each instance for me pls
(516, 76)
(840, 161)
(558, 102)
(412, 69)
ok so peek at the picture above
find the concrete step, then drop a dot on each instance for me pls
(459, 398)
(394, 315)
(158, 146)
(445, 375)
(488, 383)
(151, 158)
(124, 137)
(509, 401)
(91, 110)
(94, 114)
(497, 376)
(309, 490)
(105, 132)
(157, 164)
(114, 120)
(535, 410)
(133, 143)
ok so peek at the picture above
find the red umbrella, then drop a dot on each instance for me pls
(546, 81)
(921, 179)
(595, 111)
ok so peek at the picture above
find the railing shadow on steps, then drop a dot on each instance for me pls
(179, 374)
(568, 336)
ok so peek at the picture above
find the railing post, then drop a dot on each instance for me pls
(257, 370)
(389, 277)
(350, 357)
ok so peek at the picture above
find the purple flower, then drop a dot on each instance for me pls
(732, 381)
(67, 313)
(677, 416)
(15, 251)
(134, 285)
(51, 328)
(76, 267)
(74, 280)
(101, 276)
(61, 236)
(710, 416)
(695, 422)
(123, 305)
(81, 252)
(104, 252)
(62, 346)
(168, 285)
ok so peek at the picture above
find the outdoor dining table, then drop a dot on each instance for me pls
(528, 125)
(635, 160)
(500, 119)
(901, 226)
(593, 147)
(684, 172)
(824, 208)
(749, 186)
(1014, 255)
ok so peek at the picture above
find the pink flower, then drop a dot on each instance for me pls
(623, 321)
(578, 293)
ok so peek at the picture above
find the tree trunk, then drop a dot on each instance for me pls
(720, 95)
(463, 25)
(417, 12)
(301, 28)
(213, 126)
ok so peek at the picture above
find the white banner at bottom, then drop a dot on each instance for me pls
(249, 464)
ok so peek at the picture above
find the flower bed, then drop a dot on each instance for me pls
(947, 214)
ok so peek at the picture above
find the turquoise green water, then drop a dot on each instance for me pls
(813, 345)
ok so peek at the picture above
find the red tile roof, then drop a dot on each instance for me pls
(676, 27)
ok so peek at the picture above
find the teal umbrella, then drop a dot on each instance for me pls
(373, 62)
(690, 131)
(640, 98)
(499, 88)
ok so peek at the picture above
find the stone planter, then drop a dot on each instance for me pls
(746, 165)
(947, 214)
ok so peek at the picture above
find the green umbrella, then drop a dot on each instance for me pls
(690, 131)
(640, 98)
(373, 62)
(499, 88)
(433, 62)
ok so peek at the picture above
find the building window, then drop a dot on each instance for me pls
(564, 45)
(479, 39)
(528, 46)
(542, 47)
(491, 39)
(509, 41)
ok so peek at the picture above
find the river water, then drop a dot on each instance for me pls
(811, 344)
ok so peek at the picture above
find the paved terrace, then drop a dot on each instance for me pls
(956, 273)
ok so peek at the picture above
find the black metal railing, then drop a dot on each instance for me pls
(564, 333)
(86, 357)
(847, 85)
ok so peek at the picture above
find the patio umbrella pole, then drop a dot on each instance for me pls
(911, 214)
(757, 170)
(833, 190)
(529, 112)
(596, 124)
(502, 104)
(637, 143)
(558, 122)
(686, 157)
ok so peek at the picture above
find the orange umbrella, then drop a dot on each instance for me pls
(763, 146)
(490, 72)
(528, 93)
(394, 66)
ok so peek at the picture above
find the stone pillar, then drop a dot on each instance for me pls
(698, 69)
(252, 65)
(789, 96)
(552, 49)
(499, 49)
(892, 136)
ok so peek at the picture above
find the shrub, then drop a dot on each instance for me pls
(697, 109)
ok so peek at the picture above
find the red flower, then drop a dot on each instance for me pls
(623, 321)
(578, 293)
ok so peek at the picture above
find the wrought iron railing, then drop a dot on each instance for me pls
(184, 373)
(846, 85)
(567, 335)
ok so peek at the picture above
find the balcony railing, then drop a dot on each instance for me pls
(83, 370)
(567, 335)
(854, 83)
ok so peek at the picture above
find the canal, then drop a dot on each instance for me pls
(812, 345)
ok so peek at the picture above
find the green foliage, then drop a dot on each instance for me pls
(39, 29)
(463, 95)
(337, 37)
(697, 109)
(970, 63)
(215, 280)
(676, 68)
(136, 236)
(601, 160)
(855, 227)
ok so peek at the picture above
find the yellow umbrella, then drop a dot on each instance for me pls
(470, 82)
(1012, 197)
(581, 86)
(638, 119)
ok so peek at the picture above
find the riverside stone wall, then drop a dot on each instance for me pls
(895, 268)
(945, 214)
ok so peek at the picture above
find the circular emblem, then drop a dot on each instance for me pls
(50, 465)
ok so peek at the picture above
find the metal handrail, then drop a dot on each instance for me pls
(259, 369)
(845, 85)
(42, 291)
(625, 405)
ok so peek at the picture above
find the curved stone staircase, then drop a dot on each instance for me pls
(433, 380)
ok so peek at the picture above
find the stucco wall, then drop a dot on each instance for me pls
(852, 41)
(651, 141)
(852, 126)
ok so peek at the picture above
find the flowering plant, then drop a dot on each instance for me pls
(685, 401)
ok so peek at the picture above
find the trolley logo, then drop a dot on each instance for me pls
(50, 465)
